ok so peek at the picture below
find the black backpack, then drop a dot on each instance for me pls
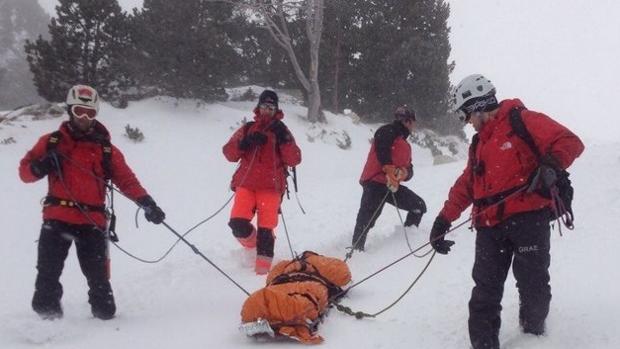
(563, 184)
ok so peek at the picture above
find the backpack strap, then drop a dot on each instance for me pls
(473, 161)
(53, 140)
(106, 150)
(518, 127)
(106, 163)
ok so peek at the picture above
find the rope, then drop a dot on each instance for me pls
(275, 168)
(287, 235)
(194, 248)
(366, 228)
(562, 214)
(402, 222)
(178, 240)
(294, 169)
(197, 251)
(361, 314)
(112, 188)
(56, 162)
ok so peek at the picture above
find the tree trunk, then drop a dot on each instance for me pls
(336, 71)
(275, 22)
(314, 30)
(314, 105)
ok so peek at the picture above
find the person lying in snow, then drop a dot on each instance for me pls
(296, 296)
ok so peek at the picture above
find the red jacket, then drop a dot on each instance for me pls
(506, 162)
(389, 147)
(262, 168)
(86, 159)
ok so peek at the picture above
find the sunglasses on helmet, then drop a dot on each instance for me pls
(80, 111)
(267, 106)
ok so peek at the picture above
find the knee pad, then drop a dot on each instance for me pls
(241, 227)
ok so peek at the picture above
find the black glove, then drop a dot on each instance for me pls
(282, 133)
(43, 166)
(152, 212)
(252, 140)
(440, 228)
(545, 176)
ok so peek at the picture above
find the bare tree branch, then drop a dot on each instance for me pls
(275, 14)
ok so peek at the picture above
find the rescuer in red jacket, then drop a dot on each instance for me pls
(511, 213)
(78, 159)
(388, 164)
(265, 148)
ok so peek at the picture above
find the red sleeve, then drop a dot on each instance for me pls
(460, 196)
(38, 151)
(124, 178)
(231, 148)
(553, 138)
(401, 153)
(291, 154)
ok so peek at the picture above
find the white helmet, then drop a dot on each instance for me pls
(83, 95)
(472, 88)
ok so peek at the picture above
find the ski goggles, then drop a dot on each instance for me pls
(463, 115)
(80, 112)
(267, 106)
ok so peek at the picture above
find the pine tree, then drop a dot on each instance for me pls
(183, 48)
(264, 63)
(86, 46)
(19, 20)
(400, 56)
(337, 51)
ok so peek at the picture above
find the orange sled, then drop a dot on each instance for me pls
(296, 297)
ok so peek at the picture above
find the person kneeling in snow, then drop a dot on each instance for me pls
(78, 160)
(296, 297)
(264, 147)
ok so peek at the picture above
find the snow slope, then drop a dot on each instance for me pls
(183, 302)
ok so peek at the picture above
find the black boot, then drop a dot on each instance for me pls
(485, 343)
(413, 218)
(47, 310)
(101, 301)
(537, 329)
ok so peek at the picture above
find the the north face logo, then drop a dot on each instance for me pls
(506, 146)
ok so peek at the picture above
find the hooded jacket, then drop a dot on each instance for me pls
(82, 171)
(502, 161)
(262, 167)
(389, 147)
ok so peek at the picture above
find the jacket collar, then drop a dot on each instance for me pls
(401, 129)
(505, 107)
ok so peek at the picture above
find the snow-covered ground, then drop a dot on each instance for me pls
(183, 302)
(560, 57)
